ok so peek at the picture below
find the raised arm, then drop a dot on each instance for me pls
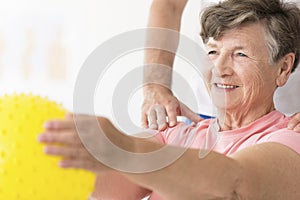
(108, 184)
(264, 171)
(158, 67)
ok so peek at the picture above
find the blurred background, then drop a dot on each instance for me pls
(43, 44)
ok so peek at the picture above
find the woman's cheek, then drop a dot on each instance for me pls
(254, 82)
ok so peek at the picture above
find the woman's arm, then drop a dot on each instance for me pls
(268, 171)
(112, 185)
(109, 184)
(264, 171)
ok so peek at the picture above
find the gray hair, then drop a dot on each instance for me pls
(280, 19)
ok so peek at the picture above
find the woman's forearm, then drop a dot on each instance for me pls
(189, 177)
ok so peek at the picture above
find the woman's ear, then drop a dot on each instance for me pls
(285, 67)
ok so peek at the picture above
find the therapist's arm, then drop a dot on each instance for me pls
(158, 67)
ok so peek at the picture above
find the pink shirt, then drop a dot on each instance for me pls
(203, 135)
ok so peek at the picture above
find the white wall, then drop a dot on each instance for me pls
(43, 44)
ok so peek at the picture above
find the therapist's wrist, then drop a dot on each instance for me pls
(153, 88)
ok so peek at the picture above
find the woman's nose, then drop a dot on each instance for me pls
(223, 66)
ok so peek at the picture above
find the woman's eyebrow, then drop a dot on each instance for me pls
(239, 48)
(210, 44)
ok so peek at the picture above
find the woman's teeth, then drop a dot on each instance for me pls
(223, 86)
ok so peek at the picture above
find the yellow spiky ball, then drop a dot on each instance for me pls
(26, 173)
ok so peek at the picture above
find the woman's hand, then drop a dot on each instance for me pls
(65, 138)
(80, 141)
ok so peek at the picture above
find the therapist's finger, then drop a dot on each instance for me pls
(294, 123)
(185, 111)
(173, 110)
(161, 116)
(297, 128)
(144, 120)
(152, 119)
(144, 115)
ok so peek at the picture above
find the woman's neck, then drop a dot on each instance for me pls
(233, 119)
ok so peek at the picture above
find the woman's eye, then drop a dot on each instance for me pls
(241, 54)
(212, 52)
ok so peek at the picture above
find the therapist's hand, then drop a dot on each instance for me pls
(159, 103)
(294, 123)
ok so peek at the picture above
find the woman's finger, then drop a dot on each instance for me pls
(93, 166)
(68, 152)
(59, 124)
(65, 138)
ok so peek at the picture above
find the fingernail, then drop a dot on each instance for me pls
(60, 164)
(40, 138)
(63, 164)
(144, 126)
(297, 129)
(162, 127)
(172, 123)
(48, 125)
(291, 126)
(45, 150)
(153, 126)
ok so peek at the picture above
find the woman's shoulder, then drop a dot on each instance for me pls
(281, 134)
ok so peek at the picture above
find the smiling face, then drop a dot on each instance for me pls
(242, 77)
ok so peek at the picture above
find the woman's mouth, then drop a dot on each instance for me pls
(225, 86)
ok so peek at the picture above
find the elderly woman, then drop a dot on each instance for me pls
(254, 46)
